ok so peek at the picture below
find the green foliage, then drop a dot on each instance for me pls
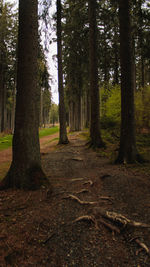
(110, 106)
(143, 141)
(5, 141)
(142, 111)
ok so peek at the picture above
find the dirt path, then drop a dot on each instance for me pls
(44, 230)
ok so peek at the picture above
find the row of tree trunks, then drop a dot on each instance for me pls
(79, 113)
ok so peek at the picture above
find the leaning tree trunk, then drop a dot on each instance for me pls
(127, 150)
(63, 139)
(25, 171)
(95, 135)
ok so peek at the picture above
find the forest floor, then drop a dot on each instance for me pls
(89, 220)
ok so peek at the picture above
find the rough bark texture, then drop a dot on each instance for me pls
(95, 135)
(127, 150)
(25, 171)
(63, 139)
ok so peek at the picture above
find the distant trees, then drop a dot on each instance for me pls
(43, 80)
(54, 116)
(8, 47)
(25, 171)
(8, 36)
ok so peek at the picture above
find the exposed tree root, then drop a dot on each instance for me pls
(82, 191)
(80, 201)
(77, 159)
(76, 179)
(92, 219)
(116, 217)
(106, 198)
(88, 182)
(87, 218)
(75, 192)
(141, 244)
(113, 228)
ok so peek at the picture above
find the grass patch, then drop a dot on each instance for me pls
(5, 141)
(48, 131)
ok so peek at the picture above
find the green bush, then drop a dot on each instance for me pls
(109, 123)
(142, 108)
(110, 107)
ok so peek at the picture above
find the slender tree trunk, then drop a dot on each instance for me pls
(116, 52)
(25, 171)
(142, 72)
(1, 93)
(71, 116)
(95, 135)
(127, 150)
(63, 139)
(4, 109)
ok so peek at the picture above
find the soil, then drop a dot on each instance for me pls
(69, 227)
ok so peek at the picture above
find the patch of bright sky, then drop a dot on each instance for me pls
(52, 51)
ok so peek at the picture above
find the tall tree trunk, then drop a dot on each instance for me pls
(142, 70)
(116, 56)
(25, 171)
(1, 93)
(95, 135)
(63, 139)
(4, 109)
(127, 150)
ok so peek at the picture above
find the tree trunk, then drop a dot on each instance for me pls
(127, 150)
(4, 109)
(116, 63)
(63, 139)
(95, 135)
(1, 93)
(25, 171)
(71, 116)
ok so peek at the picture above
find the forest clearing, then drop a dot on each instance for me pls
(70, 226)
(79, 197)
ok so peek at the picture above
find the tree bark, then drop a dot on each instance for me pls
(63, 139)
(25, 171)
(1, 92)
(95, 135)
(127, 150)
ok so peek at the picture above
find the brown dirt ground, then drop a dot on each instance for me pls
(38, 228)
